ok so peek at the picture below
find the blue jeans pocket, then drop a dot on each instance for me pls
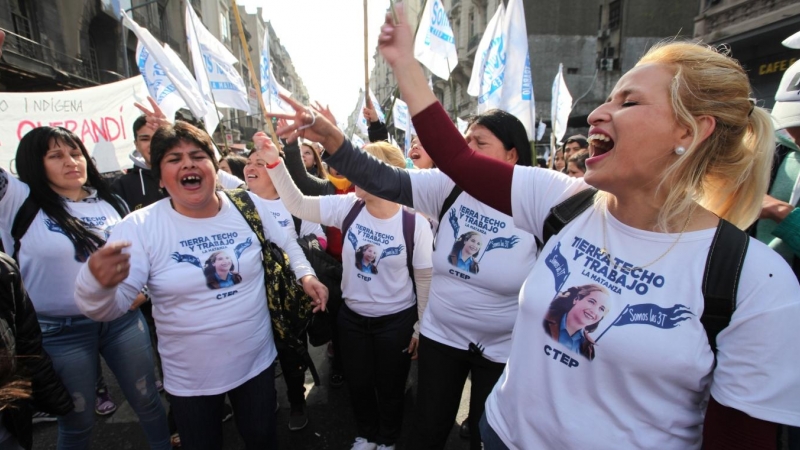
(50, 327)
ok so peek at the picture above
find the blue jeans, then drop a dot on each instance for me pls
(75, 345)
(491, 441)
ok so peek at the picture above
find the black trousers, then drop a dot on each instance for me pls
(376, 362)
(294, 374)
(199, 418)
(443, 371)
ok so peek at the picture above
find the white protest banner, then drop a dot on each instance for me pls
(182, 79)
(489, 67)
(561, 105)
(517, 93)
(400, 114)
(269, 84)
(101, 116)
(435, 44)
(213, 66)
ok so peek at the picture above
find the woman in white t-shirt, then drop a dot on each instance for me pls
(678, 145)
(214, 339)
(74, 212)
(378, 319)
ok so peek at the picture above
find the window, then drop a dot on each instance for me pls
(614, 14)
(572, 70)
(600, 18)
(163, 24)
(224, 26)
(471, 22)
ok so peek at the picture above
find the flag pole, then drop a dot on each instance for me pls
(368, 101)
(210, 89)
(452, 91)
(253, 78)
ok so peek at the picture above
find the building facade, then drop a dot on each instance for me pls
(754, 30)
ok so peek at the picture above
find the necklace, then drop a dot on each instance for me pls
(605, 251)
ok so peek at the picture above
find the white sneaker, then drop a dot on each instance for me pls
(385, 447)
(363, 444)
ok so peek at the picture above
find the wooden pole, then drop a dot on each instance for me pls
(368, 101)
(253, 77)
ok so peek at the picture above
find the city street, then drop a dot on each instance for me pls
(331, 424)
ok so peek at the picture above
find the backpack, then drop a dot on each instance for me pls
(329, 273)
(723, 264)
(409, 225)
(290, 309)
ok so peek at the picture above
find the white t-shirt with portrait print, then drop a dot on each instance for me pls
(47, 258)
(207, 284)
(383, 285)
(646, 380)
(479, 305)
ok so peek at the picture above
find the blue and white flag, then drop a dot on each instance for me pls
(186, 86)
(517, 91)
(400, 114)
(488, 70)
(557, 264)
(650, 314)
(159, 86)
(269, 85)
(213, 66)
(435, 44)
(560, 105)
(362, 121)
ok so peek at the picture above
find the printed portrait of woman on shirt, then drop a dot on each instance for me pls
(365, 258)
(574, 314)
(220, 271)
(465, 250)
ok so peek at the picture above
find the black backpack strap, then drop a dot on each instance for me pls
(297, 224)
(409, 228)
(448, 203)
(721, 278)
(22, 221)
(351, 217)
(563, 213)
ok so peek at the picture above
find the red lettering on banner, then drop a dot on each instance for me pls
(105, 128)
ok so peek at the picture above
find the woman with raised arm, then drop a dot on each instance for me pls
(385, 284)
(63, 211)
(214, 329)
(480, 262)
(678, 146)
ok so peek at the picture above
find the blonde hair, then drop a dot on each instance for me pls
(728, 172)
(387, 153)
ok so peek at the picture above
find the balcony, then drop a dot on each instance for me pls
(35, 57)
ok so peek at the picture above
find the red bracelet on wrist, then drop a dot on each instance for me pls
(273, 165)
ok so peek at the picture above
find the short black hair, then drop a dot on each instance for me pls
(138, 124)
(579, 138)
(170, 136)
(509, 130)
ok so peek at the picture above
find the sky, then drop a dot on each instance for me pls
(325, 40)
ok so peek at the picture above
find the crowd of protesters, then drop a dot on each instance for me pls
(584, 300)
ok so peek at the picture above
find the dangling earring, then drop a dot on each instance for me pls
(680, 150)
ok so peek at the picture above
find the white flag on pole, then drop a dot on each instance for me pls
(540, 130)
(159, 86)
(362, 122)
(269, 85)
(561, 105)
(488, 69)
(357, 141)
(517, 90)
(462, 125)
(214, 62)
(435, 44)
(186, 86)
(400, 114)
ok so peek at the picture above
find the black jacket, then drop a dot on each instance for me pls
(138, 187)
(22, 336)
